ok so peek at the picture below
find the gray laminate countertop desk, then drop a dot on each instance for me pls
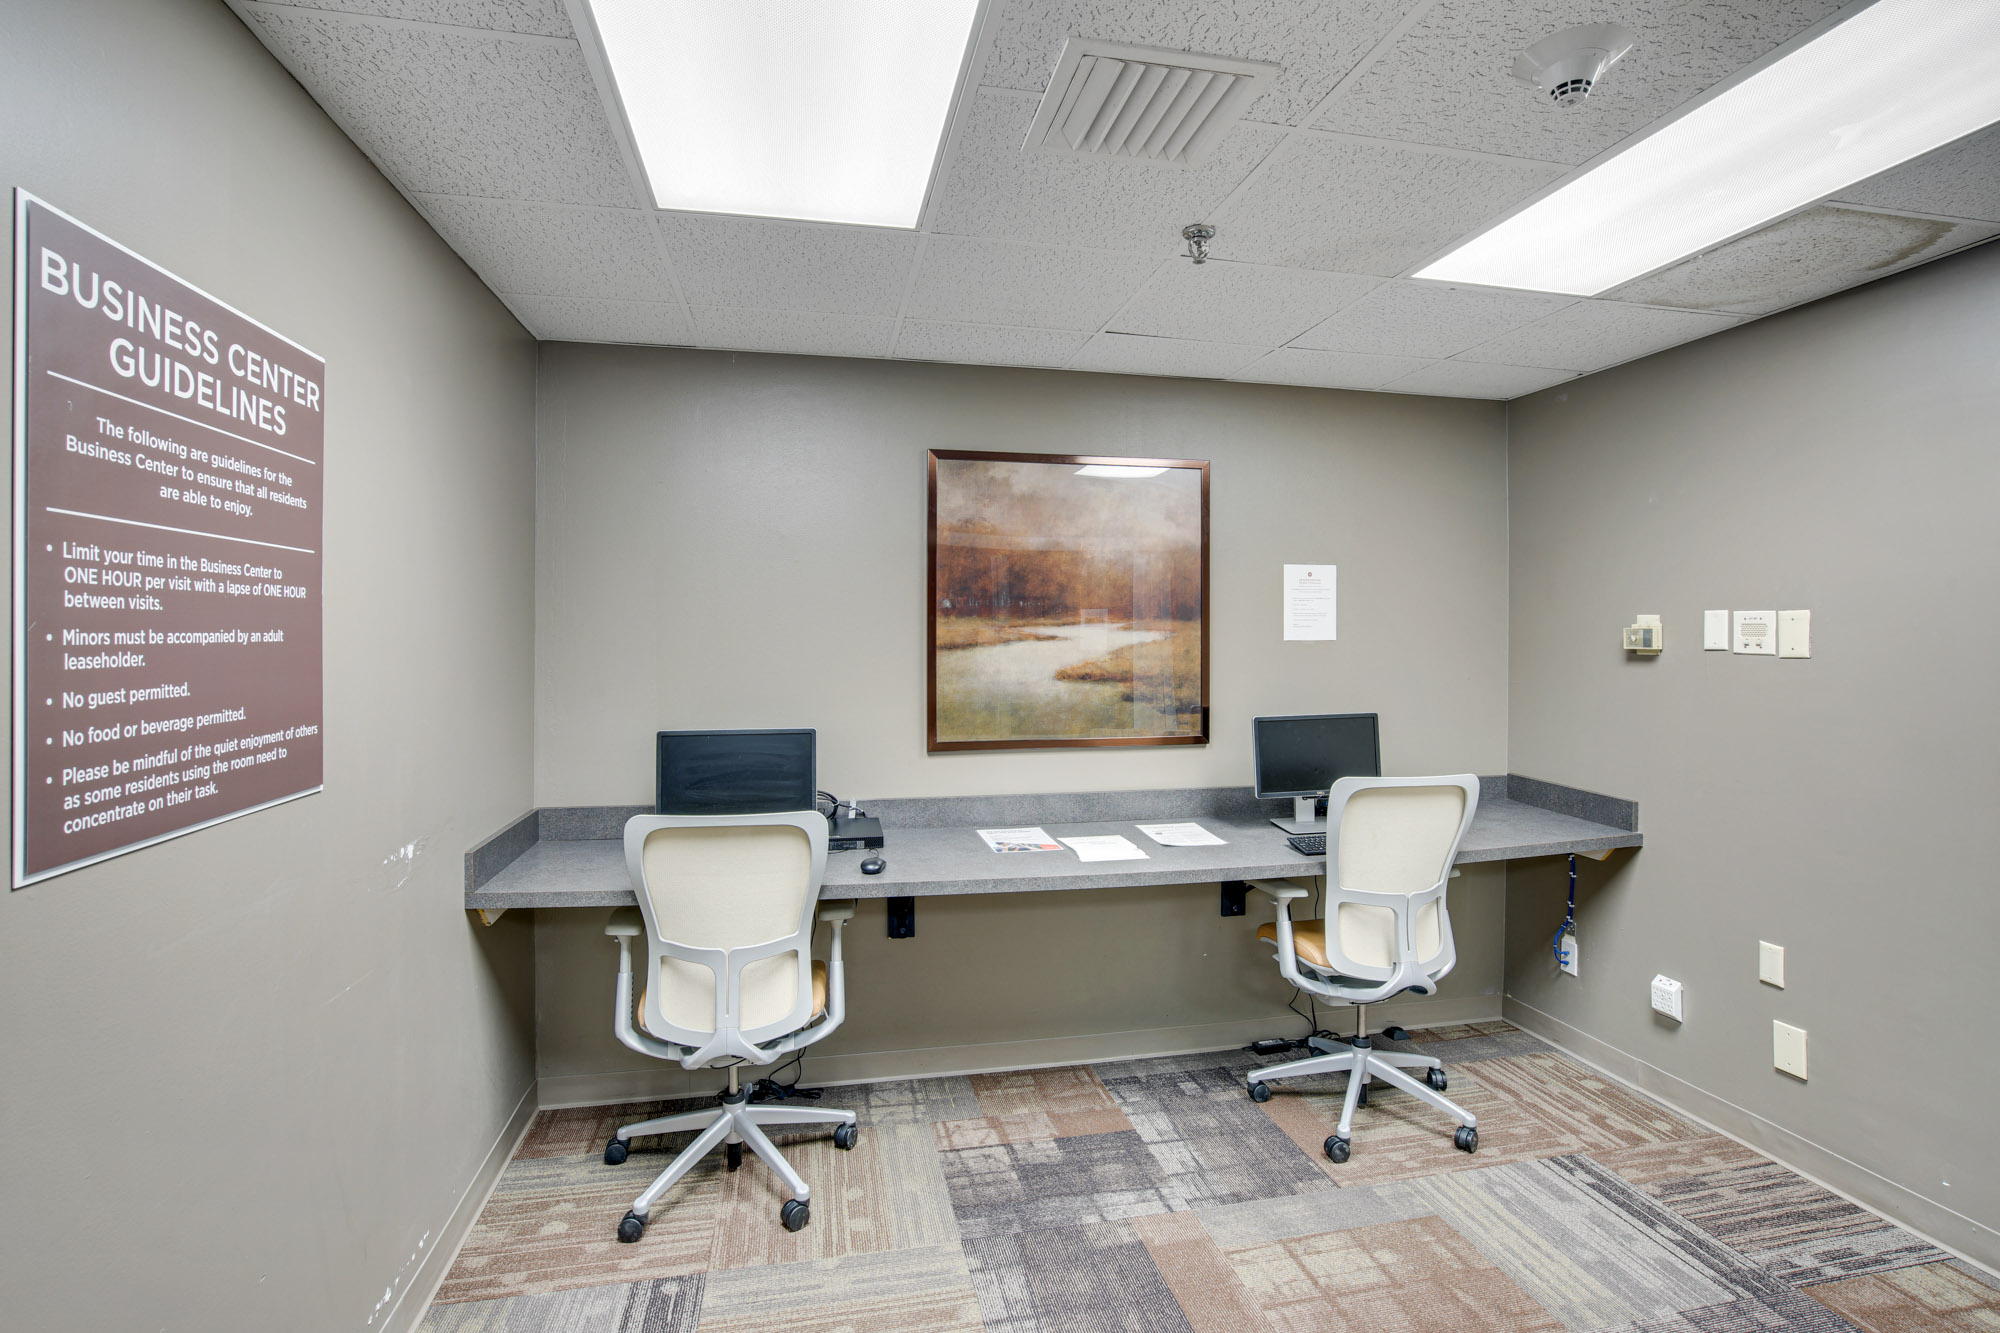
(575, 856)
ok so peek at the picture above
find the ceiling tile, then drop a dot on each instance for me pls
(1427, 319)
(924, 340)
(1317, 41)
(447, 112)
(1237, 303)
(989, 187)
(1802, 258)
(561, 319)
(1329, 370)
(1467, 379)
(973, 281)
(1449, 79)
(1127, 354)
(1327, 202)
(1590, 335)
(1960, 180)
(750, 264)
(544, 18)
(554, 249)
(808, 333)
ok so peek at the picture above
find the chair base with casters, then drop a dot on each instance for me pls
(1363, 1064)
(735, 1122)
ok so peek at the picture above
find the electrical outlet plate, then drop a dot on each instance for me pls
(1569, 946)
(1715, 631)
(1771, 964)
(1788, 1049)
(1795, 634)
(1667, 998)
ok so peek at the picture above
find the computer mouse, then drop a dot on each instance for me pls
(874, 865)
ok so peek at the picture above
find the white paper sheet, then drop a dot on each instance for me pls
(1310, 601)
(1181, 835)
(1019, 840)
(1106, 847)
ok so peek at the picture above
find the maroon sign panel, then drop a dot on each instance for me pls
(167, 485)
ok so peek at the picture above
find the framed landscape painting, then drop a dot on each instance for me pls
(1069, 601)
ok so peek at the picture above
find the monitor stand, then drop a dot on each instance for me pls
(1305, 817)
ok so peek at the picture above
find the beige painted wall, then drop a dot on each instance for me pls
(738, 540)
(247, 1076)
(1843, 458)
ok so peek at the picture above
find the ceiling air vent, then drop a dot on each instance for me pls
(1142, 103)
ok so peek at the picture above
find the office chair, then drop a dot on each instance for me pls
(1390, 844)
(726, 905)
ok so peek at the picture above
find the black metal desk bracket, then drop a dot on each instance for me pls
(902, 918)
(1234, 892)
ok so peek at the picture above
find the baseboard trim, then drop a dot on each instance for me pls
(1944, 1227)
(408, 1311)
(825, 1071)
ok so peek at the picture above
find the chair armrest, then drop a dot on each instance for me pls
(1283, 890)
(626, 922)
(838, 911)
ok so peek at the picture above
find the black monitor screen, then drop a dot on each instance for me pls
(1303, 756)
(736, 772)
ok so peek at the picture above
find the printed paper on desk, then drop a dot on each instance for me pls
(1019, 840)
(1309, 602)
(1106, 847)
(1181, 835)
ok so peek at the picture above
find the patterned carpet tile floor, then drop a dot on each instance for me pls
(1154, 1194)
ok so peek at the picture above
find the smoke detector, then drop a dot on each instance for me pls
(1566, 65)
(1142, 103)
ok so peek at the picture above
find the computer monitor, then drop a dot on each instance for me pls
(1301, 757)
(737, 772)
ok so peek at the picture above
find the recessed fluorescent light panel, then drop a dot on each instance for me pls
(788, 108)
(1894, 80)
(1117, 470)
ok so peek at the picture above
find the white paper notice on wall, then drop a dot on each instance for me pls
(1309, 602)
(1757, 632)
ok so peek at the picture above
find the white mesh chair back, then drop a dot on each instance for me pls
(1393, 836)
(728, 902)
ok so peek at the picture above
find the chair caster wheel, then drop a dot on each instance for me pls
(1466, 1139)
(1260, 1091)
(1436, 1078)
(844, 1136)
(615, 1152)
(631, 1227)
(795, 1214)
(733, 1154)
(1395, 1034)
(1337, 1148)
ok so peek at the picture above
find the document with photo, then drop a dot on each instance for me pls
(1019, 840)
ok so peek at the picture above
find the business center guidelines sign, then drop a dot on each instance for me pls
(167, 486)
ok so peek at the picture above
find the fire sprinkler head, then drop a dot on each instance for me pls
(1198, 235)
(1566, 65)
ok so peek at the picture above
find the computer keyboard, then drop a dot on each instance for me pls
(1308, 844)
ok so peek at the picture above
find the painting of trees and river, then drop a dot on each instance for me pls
(1067, 604)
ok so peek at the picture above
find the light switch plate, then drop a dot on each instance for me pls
(1788, 1049)
(1771, 963)
(1715, 631)
(1795, 634)
(1756, 633)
